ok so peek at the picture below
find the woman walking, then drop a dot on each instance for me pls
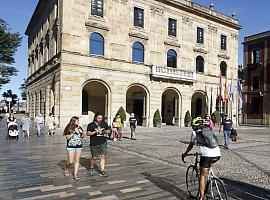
(50, 123)
(74, 135)
(25, 125)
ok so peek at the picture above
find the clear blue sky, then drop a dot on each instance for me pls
(254, 16)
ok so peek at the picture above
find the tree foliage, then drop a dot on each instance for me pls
(9, 94)
(9, 43)
(122, 114)
(23, 89)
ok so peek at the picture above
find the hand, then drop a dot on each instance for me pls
(183, 157)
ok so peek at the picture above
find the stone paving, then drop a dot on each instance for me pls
(148, 168)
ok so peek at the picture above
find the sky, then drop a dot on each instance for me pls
(254, 16)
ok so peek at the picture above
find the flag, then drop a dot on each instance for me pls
(240, 92)
(226, 90)
(211, 101)
(232, 91)
(221, 88)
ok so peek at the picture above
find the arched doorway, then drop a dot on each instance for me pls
(136, 102)
(95, 95)
(170, 107)
(198, 105)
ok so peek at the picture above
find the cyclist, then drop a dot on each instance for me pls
(208, 155)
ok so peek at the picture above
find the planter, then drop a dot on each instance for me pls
(158, 125)
(187, 124)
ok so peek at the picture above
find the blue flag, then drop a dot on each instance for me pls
(232, 91)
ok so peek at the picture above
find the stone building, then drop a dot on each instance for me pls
(256, 96)
(98, 55)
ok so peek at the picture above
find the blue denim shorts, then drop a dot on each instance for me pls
(73, 149)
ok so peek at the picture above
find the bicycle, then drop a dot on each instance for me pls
(214, 189)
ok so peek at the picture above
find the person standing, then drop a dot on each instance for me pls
(119, 126)
(208, 121)
(39, 121)
(25, 125)
(74, 135)
(227, 128)
(97, 131)
(114, 130)
(133, 125)
(50, 123)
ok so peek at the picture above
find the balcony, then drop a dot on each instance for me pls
(173, 73)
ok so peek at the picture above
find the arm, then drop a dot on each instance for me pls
(190, 146)
(90, 133)
(69, 136)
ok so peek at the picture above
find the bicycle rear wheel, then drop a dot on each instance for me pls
(216, 190)
(192, 181)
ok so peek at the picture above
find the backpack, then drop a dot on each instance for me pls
(209, 138)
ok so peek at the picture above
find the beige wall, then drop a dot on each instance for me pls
(117, 71)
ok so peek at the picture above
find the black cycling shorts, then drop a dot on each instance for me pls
(206, 162)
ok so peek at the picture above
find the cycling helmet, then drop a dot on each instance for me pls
(197, 122)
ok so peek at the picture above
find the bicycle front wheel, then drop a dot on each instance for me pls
(192, 181)
(215, 189)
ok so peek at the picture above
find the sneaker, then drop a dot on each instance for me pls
(115, 139)
(91, 172)
(102, 173)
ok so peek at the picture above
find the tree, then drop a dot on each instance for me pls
(122, 114)
(23, 89)
(9, 94)
(9, 43)
(157, 118)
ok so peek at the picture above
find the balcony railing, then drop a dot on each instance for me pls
(173, 73)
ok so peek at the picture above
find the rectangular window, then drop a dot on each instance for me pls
(255, 83)
(138, 17)
(223, 42)
(172, 27)
(256, 56)
(199, 35)
(97, 8)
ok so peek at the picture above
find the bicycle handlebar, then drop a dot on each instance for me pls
(190, 154)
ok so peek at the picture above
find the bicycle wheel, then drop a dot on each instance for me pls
(216, 190)
(192, 181)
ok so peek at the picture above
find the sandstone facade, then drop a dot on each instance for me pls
(66, 79)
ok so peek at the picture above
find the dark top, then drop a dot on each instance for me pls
(132, 121)
(76, 141)
(227, 124)
(98, 138)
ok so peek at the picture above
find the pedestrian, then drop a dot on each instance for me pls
(119, 126)
(114, 130)
(9, 115)
(208, 121)
(97, 130)
(133, 125)
(39, 121)
(227, 127)
(50, 123)
(25, 125)
(74, 135)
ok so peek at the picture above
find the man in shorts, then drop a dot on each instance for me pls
(208, 155)
(97, 130)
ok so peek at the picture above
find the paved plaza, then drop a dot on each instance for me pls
(149, 168)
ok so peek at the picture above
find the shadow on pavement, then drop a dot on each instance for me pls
(167, 185)
(237, 189)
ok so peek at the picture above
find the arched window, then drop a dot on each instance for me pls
(172, 58)
(199, 64)
(223, 68)
(96, 44)
(138, 52)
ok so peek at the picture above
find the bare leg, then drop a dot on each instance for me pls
(93, 162)
(203, 174)
(102, 162)
(76, 163)
(69, 162)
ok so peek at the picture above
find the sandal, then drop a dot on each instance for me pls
(77, 178)
(66, 173)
